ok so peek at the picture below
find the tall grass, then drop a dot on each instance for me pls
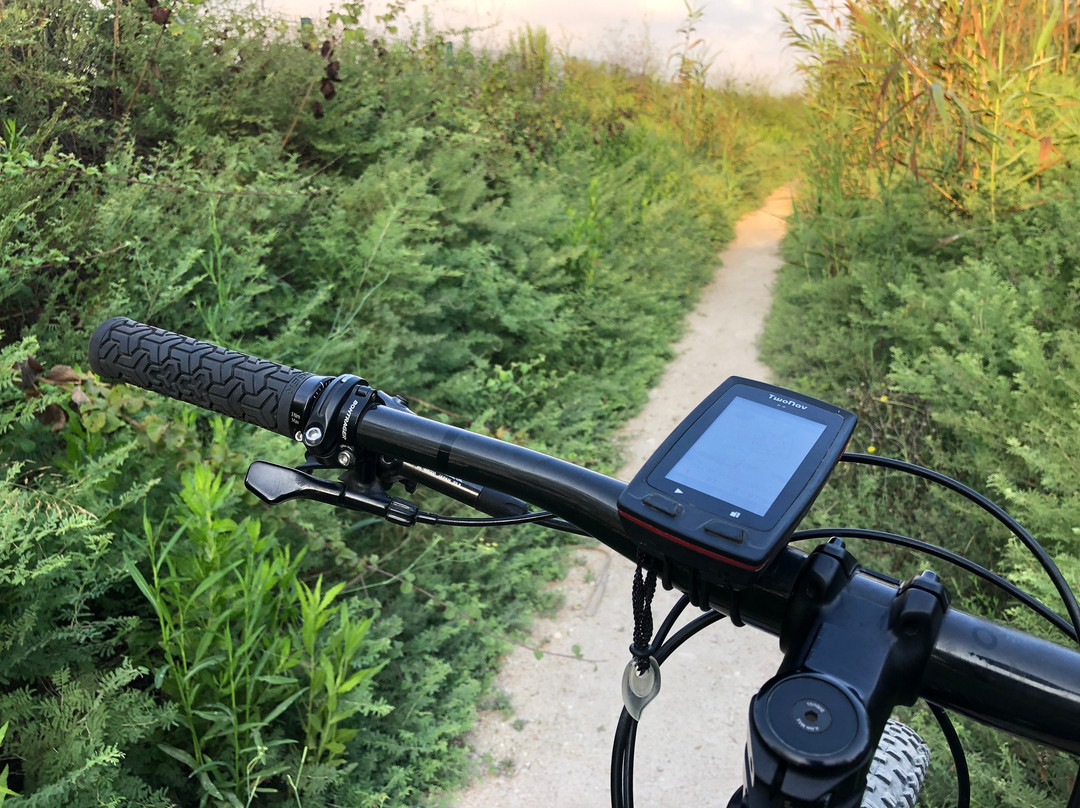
(933, 288)
(976, 99)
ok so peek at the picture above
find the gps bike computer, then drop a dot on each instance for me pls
(725, 490)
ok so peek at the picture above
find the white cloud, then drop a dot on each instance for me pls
(745, 35)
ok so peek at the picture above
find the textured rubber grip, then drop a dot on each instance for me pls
(234, 384)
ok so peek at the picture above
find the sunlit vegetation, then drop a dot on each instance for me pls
(933, 286)
(510, 238)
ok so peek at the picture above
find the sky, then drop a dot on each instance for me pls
(744, 36)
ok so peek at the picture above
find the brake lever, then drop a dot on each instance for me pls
(274, 484)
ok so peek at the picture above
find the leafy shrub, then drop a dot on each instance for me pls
(488, 233)
(71, 733)
(932, 286)
(956, 342)
(249, 648)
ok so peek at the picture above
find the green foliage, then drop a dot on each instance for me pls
(5, 792)
(489, 233)
(70, 732)
(1002, 773)
(962, 358)
(975, 99)
(932, 286)
(246, 644)
(945, 319)
(55, 550)
(329, 660)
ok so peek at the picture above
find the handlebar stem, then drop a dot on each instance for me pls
(854, 651)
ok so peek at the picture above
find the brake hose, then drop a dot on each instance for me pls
(965, 564)
(1018, 530)
(622, 753)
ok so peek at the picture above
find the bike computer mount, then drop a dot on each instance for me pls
(726, 489)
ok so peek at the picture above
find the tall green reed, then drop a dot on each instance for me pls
(968, 97)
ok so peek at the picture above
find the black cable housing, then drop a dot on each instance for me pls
(999, 513)
(965, 564)
(426, 518)
(963, 776)
(622, 752)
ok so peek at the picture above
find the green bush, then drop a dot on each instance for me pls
(252, 654)
(487, 233)
(931, 286)
(960, 355)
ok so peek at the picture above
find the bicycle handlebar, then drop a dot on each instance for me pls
(993, 674)
(996, 675)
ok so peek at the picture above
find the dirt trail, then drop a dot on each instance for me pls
(554, 750)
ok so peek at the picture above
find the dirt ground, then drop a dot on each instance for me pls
(554, 748)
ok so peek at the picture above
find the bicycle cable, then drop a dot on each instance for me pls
(1060, 584)
(622, 753)
(543, 517)
(965, 564)
(959, 756)
(995, 510)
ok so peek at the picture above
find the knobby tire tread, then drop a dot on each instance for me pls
(896, 776)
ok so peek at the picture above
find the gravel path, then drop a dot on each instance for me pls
(554, 750)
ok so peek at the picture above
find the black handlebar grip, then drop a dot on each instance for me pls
(234, 384)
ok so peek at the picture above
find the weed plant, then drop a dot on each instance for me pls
(511, 239)
(931, 286)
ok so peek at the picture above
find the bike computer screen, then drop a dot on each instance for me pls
(731, 483)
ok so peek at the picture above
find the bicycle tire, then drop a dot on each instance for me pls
(900, 762)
